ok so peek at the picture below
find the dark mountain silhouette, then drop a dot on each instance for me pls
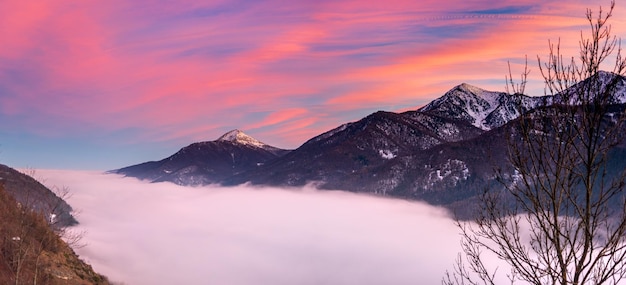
(207, 162)
(358, 151)
(444, 153)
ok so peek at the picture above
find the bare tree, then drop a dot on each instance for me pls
(561, 218)
(54, 208)
(24, 237)
(30, 229)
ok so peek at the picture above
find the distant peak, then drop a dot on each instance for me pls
(470, 88)
(604, 73)
(237, 136)
(231, 135)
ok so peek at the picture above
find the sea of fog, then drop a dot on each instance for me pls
(140, 233)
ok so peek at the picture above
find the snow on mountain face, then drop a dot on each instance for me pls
(483, 109)
(466, 102)
(509, 107)
(237, 136)
(605, 79)
(240, 138)
(619, 88)
(488, 110)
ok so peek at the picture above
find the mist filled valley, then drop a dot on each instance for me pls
(160, 233)
(312, 142)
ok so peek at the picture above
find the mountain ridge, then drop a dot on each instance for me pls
(237, 136)
(483, 109)
(443, 153)
(29, 192)
(206, 162)
(32, 220)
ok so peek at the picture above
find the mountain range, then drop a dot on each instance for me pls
(444, 153)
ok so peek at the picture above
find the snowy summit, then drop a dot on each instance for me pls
(483, 109)
(239, 137)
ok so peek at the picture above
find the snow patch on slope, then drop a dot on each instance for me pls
(386, 154)
(452, 170)
(479, 103)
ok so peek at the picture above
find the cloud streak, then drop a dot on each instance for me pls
(141, 233)
(97, 68)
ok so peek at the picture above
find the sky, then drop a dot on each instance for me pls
(104, 84)
(137, 232)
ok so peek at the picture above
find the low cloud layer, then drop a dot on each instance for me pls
(139, 233)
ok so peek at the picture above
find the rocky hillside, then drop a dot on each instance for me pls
(33, 195)
(32, 253)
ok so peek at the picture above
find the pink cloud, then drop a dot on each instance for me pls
(290, 135)
(280, 116)
(178, 65)
(432, 71)
(18, 22)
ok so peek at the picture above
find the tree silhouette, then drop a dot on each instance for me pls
(561, 218)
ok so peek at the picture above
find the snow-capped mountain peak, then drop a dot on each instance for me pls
(606, 80)
(466, 102)
(472, 90)
(483, 109)
(239, 137)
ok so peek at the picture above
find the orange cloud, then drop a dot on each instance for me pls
(430, 72)
(176, 66)
(279, 117)
(290, 134)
